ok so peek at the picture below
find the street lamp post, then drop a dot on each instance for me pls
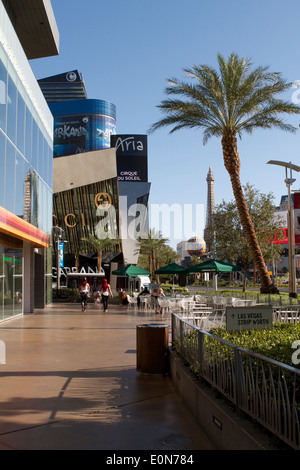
(289, 180)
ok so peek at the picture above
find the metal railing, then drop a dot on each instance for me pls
(264, 389)
(259, 298)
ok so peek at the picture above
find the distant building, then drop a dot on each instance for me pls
(94, 168)
(195, 246)
(67, 86)
(210, 208)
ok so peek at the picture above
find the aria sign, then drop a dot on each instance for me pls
(131, 152)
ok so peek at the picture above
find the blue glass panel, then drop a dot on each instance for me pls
(10, 164)
(34, 144)
(11, 110)
(2, 168)
(3, 97)
(28, 136)
(21, 124)
(20, 179)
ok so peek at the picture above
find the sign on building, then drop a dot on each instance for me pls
(131, 152)
(296, 197)
(249, 318)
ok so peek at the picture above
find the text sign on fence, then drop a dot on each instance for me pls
(249, 318)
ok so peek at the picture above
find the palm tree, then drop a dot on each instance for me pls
(99, 245)
(152, 247)
(226, 103)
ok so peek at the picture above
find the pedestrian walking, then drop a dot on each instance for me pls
(84, 292)
(105, 293)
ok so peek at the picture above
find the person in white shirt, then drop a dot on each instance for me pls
(84, 291)
(105, 293)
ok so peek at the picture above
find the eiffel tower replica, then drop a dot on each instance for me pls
(210, 209)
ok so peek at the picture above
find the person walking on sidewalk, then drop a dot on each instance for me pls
(105, 293)
(84, 292)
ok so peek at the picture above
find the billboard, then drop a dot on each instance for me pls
(79, 134)
(296, 197)
(132, 157)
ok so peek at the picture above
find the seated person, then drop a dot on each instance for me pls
(144, 292)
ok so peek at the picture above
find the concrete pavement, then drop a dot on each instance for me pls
(70, 382)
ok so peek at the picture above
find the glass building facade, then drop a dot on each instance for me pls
(26, 152)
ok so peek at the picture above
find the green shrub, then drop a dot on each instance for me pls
(275, 343)
(66, 293)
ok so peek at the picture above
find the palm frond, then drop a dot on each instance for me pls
(236, 98)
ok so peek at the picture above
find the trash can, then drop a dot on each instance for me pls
(152, 342)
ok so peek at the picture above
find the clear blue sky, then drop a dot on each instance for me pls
(126, 51)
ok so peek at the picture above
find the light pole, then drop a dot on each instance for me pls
(289, 180)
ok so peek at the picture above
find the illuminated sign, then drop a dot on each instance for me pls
(61, 254)
(79, 134)
(296, 197)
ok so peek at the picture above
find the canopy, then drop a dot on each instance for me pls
(213, 265)
(172, 268)
(131, 271)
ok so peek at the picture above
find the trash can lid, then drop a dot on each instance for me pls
(153, 325)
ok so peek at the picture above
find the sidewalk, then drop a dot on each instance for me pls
(70, 382)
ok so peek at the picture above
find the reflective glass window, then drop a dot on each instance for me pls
(50, 167)
(19, 185)
(11, 280)
(2, 168)
(28, 135)
(34, 145)
(21, 124)
(3, 95)
(17, 281)
(41, 163)
(34, 198)
(11, 109)
(10, 177)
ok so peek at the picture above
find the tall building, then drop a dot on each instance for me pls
(27, 31)
(64, 87)
(210, 208)
(93, 169)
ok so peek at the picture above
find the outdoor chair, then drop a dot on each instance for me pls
(164, 304)
(132, 302)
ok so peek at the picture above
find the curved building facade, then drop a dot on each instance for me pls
(82, 126)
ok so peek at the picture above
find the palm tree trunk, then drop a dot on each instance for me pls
(157, 275)
(99, 260)
(150, 265)
(153, 263)
(232, 165)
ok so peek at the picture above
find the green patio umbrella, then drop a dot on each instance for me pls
(131, 271)
(213, 266)
(172, 268)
